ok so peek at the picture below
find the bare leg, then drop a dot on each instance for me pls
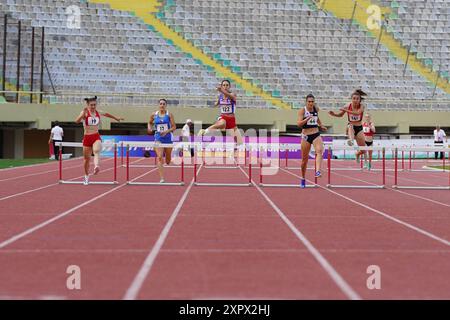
(97, 148)
(87, 151)
(361, 141)
(168, 152)
(159, 159)
(306, 147)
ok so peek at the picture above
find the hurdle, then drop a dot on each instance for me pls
(424, 149)
(155, 164)
(382, 186)
(80, 145)
(139, 183)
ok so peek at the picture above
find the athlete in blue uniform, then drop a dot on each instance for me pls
(164, 124)
(308, 120)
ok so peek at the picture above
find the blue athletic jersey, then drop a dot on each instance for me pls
(162, 124)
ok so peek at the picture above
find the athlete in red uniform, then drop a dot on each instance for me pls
(355, 111)
(92, 142)
(369, 131)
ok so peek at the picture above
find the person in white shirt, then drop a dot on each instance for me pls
(186, 134)
(56, 136)
(439, 135)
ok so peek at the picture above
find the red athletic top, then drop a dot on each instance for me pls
(367, 130)
(354, 117)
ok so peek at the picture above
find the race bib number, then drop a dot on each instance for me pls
(93, 121)
(354, 117)
(162, 127)
(226, 109)
(313, 121)
(366, 129)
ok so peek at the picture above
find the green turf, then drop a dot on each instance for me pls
(9, 163)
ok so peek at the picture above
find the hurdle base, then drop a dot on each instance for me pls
(281, 185)
(208, 184)
(155, 183)
(420, 188)
(342, 186)
(90, 182)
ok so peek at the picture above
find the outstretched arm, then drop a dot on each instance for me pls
(108, 115)
(339, 114)
(355, 112)
(229, 95)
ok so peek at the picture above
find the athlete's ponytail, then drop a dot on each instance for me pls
(90, 99)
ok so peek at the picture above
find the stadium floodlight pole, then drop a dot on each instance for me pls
(32, 65)
(5, 33)
(351, 19)
(379, 38)
(407, 59)
(19, 34)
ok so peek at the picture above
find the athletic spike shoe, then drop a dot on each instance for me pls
(86, 180)
(162, 181)
(96, 170)
(318, 174)
(349, 142)
(201, 132)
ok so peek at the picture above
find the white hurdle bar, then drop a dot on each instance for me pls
(423, 149)
(382, 186)
(139, 183)
(80, 145)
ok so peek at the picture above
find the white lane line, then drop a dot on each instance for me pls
(332, 273)
(387, 216)
(146, 267)
(396, 190)
(48, 186)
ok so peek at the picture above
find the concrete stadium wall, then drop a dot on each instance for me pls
(41, 116)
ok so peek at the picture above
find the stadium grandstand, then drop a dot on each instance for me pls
(275, 52)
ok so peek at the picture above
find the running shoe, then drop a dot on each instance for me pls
(350, 142)
(96, 170)
(318, 174)
(162, 181)
(369, 166)
(302, 183)
(86, 180)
